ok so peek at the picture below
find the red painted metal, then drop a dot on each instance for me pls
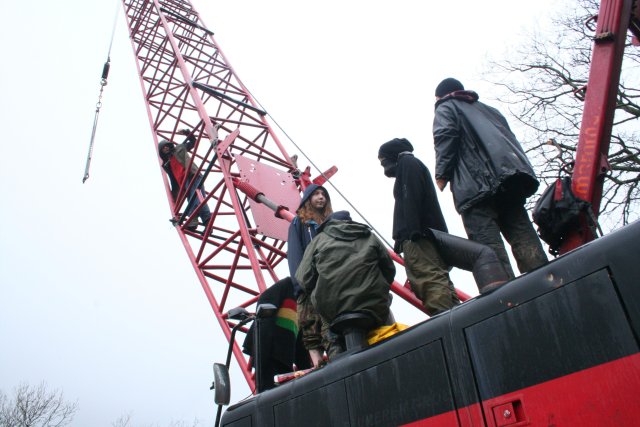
(188, 83)
(614, 19)
(603, 396)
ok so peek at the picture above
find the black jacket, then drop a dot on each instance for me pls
(279, 332)
(477, 153)
(416, 209)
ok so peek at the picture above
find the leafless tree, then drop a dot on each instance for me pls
(123, 421)
(543, 83)
(127, 421)
(33, 406)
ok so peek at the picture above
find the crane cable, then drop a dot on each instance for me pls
(103, 83)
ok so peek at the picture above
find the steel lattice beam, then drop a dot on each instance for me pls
(187, 83)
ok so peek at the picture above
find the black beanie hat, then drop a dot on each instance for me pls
(337, 216)
(391, 149)
(447, 86)
(340, 216)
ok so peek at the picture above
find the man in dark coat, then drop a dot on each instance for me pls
(416, 211)
(347, 269)
(489, 173)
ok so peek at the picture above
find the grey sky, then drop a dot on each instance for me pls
(97, 296)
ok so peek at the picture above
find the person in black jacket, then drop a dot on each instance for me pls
(489, 173)
(415, 213)
(280, 347)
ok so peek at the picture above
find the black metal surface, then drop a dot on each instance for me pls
(579, 311)
(556, 334)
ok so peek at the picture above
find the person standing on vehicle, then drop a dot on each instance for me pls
(489, 173)
(314, 208)
(415, 212)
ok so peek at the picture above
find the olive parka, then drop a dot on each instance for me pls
(346, 268)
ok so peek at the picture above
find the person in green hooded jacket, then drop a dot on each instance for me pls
(346, 268)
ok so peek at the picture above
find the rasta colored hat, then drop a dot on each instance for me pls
(447, 86)
(391, 149)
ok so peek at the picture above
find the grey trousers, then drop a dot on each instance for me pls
(491, 219)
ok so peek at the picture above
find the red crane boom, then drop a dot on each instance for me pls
(591, 165)
(188, 83)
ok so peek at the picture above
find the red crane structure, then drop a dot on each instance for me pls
(188, 83)
(614, 19)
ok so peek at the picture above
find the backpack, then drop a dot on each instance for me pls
(557, 212)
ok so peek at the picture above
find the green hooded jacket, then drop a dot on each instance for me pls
(346, 268)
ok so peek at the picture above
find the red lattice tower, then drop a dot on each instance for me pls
(188, 83)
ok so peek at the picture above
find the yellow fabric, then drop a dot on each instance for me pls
(384, 332)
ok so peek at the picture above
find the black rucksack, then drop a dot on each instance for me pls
(557, 212)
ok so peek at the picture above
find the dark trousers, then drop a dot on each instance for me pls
(315, 332)
(487, 220)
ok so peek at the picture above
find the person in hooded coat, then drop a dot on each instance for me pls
(175, 161)
(347, 269)
(314, 207)
(415, 213)
(489, 173)
(279, 347)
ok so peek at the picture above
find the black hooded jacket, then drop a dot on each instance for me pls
(477, 153)
(416, 209)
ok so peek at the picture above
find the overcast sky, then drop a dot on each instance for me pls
(97, 295)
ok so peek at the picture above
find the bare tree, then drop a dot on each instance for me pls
(33, 406)
(123, 421)
(126, 420)
(543, 83)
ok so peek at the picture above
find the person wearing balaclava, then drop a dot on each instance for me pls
(489, 173)
(415, 212)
